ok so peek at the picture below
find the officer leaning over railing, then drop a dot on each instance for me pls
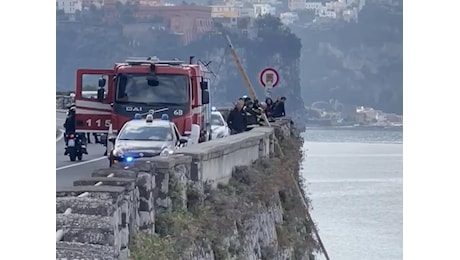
(252, 113)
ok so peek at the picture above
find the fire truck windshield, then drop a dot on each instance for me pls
(171, 89)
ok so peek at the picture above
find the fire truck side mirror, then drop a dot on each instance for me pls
(204, 92)
(102, 82)
(204, 85)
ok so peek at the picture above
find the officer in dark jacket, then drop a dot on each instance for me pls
(69, 126)
(69, 123)
(278, 108)
(236, 119)
(252, 115)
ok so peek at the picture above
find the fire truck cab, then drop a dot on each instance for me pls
(145, 86)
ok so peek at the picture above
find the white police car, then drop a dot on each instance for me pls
(146, 138)
(219, 128)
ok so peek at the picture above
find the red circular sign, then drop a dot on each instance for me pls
(269, 75)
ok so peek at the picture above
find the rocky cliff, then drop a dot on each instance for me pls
(268, 44)
(258, 215)
(356, 63)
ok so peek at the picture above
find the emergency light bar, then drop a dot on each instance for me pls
(149, 118)
(165, 117)
(150, 61)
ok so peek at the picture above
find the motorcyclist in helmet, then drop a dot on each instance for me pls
(69, 123)
(69, 126)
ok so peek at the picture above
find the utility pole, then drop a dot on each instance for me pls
(248, 84)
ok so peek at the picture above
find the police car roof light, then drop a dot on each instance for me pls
(137, 116)
(213, 108)
(165, 117)
(149, 118)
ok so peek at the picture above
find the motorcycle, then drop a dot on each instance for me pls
(75, 147)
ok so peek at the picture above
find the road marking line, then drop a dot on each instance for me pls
(80, 163)
(60, 136)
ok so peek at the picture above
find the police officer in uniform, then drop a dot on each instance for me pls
(69, 126)
(252, 114)
(236, 119)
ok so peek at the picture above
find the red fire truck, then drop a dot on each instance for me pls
(143, 86)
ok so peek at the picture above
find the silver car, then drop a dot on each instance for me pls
(145, 138)
(219, 128)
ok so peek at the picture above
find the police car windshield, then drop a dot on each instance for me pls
(134, 88)
(146, 133)
(216, 120)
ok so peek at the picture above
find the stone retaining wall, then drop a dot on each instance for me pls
(102, 223)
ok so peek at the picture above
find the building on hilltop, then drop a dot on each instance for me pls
(350, 15)
(325, 12)
(224, 11)
(151, 3)
(189, 21)
(69, 6)
(96, 3)
(263, 9)
(313, 5)
(247, 10)
(295, 5)
(289, 17)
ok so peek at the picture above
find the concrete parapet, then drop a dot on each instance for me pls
(213, 161)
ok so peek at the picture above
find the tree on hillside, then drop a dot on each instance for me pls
(126, 12)
(279, 37)
(306, 16)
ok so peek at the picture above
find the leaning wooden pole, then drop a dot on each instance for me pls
(253, 95)
(251, 90)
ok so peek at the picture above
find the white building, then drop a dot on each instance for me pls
(350, 15)
(147, 2)
(263, 9)
(69, 6)
(313, 5)
(288, 18)
(336, 5)
(247, 10)
(262, 1)
(326, 13)
(296, 5)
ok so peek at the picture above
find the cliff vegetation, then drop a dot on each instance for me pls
(258, 215)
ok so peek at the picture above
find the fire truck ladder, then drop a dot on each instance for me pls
(264, 116)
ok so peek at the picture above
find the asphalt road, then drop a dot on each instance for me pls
(60, 119)
(66, 171)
